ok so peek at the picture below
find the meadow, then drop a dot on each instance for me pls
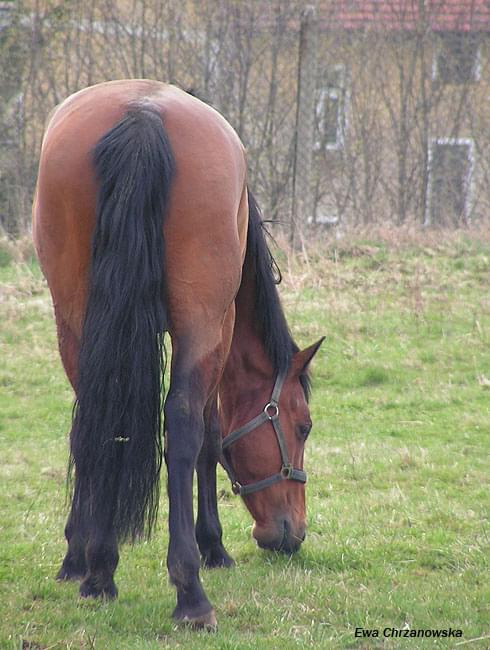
(398, 466)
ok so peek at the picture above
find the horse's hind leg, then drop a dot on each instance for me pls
(92, 552)
(74, 565)
(194, 377)
(208, 526)
(184, 425)
(196, 371)
(102, 557)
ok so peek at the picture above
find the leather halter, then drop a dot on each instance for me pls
(269, 414)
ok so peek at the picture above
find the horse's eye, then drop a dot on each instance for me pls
(304, 430)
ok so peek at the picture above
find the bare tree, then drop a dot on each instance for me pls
(400, 131)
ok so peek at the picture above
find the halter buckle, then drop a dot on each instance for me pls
(275, 413)
(236, 487)
(287, 471)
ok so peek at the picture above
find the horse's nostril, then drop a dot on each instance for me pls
(286, 527)
(287, 544)
(291, 541)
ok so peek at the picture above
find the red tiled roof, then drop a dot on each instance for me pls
(398, 15)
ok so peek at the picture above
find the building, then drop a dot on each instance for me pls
(402, 111)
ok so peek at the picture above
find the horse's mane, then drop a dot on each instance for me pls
(278, 341)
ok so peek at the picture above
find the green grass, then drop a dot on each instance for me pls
(398, 465)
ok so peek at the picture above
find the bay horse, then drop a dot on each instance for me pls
(143, 224)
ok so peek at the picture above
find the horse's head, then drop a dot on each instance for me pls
(265, 453)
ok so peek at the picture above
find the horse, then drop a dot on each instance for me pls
(144, 225)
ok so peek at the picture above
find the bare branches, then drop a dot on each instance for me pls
(393, 90)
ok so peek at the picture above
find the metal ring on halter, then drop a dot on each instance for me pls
(271, 405)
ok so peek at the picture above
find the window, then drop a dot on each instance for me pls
(458, 59)
(330, 114)
(451, 163)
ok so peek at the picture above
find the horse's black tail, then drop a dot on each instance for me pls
(116, 436)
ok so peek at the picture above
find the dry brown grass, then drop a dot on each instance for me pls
(316, 262)
(16, 250)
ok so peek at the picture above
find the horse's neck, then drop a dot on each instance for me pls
(248, 364)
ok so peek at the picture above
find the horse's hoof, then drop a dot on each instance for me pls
(206, 621)
(217, 558)
(90, 590)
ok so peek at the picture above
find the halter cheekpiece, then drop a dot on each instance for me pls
(270, 414)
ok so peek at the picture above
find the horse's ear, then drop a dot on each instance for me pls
(301, 359)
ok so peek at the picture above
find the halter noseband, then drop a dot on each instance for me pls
(269, 414)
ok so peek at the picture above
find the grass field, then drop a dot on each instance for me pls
(398, 464)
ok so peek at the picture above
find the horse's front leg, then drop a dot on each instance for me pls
(208, 526)
(184, 425)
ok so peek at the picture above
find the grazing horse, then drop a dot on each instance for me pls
(143, 225)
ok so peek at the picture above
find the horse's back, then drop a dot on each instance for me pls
(206, 221)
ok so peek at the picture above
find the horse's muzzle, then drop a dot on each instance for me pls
(284, 537)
